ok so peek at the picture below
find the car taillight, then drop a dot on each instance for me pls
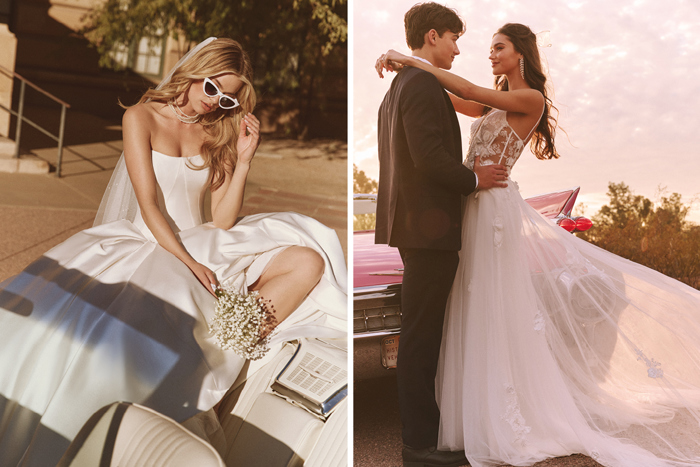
(583, 223)
(567, 224)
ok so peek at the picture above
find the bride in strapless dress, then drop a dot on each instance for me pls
(121, 311)
(552, 346)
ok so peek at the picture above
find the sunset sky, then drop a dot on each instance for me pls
(626, 78)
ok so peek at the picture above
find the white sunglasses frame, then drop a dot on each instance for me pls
(218, 94)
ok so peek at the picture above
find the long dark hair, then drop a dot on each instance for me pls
(525, 42)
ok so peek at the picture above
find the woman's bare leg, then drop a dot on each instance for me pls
(287, 280)
(284, 284)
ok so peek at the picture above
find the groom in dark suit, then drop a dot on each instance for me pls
(421, 182)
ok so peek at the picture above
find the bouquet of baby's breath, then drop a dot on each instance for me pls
(241, 323)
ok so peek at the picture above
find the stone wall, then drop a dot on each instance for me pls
(8, 48)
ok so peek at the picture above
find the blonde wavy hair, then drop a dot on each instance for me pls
(222, 126)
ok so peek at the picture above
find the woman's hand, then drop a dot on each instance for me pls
(226, 200)
(248, 138)
(390, 61)
(205, 276)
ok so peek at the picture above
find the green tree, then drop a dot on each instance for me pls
(298, 47)
(361, 182)
(658, 236)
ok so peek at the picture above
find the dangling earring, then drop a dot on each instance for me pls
(522, 67)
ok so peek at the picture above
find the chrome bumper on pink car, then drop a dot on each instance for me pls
(376, 314)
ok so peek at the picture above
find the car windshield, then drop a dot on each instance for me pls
(364, 212)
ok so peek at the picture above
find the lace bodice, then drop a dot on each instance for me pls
(494, 140)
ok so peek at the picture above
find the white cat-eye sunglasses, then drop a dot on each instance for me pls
(212, 90)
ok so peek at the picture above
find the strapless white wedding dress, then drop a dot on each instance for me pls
(553, 346)
(109, 315)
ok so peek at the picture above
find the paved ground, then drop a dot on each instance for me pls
(40, 211)
(377, 428)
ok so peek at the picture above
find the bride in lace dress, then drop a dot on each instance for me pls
(121, 311)
(552, 346)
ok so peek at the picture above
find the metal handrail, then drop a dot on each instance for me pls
(21, 118)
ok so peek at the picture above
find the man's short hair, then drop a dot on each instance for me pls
(423, 17)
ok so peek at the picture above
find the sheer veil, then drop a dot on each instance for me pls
(119, 200)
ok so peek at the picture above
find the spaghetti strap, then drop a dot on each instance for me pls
(529, 135)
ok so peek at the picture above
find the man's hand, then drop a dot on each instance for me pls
(490, 176)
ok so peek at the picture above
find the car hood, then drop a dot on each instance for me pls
(376, 264)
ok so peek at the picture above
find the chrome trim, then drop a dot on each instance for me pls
(376, 334)
(375, 289)
(376, 309)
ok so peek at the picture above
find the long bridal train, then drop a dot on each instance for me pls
(553, 346)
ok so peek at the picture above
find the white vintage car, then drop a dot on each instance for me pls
(275, 414)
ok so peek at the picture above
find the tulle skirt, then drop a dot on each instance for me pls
(109, 315)
(553, 346)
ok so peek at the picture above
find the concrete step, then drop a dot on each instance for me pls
(26, 163)
(7, 146)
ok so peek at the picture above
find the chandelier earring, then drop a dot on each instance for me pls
(522, 67)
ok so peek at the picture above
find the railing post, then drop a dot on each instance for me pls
(20, 113)
(60, 140)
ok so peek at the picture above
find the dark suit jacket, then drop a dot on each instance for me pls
(421, 176)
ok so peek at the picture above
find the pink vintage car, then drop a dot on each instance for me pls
(378, 272)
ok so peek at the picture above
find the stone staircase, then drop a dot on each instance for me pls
(26, 163)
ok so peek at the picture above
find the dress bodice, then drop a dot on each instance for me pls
(181, 190)
(493, 139)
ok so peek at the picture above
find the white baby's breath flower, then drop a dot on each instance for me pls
(239, 323)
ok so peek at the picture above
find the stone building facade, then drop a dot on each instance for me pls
(39, 40)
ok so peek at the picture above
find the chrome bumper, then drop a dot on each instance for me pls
(376, 313)
(376, 309)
